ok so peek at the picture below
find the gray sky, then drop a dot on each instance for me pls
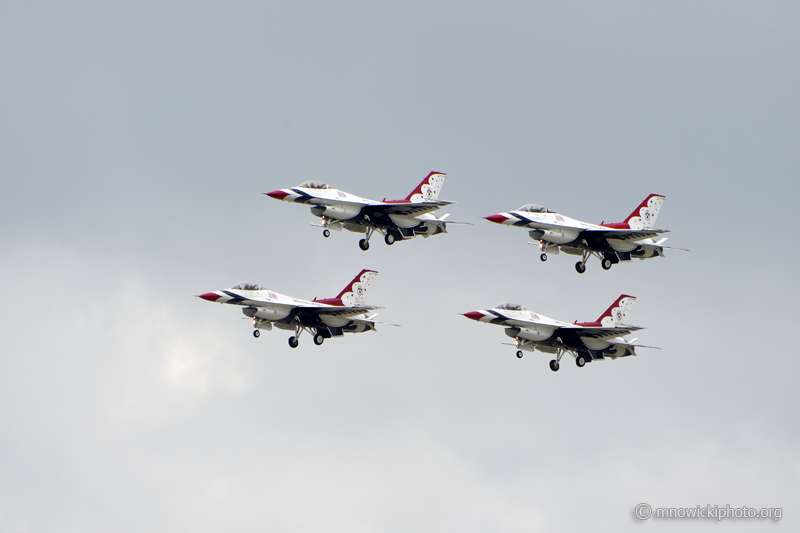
(135, 142)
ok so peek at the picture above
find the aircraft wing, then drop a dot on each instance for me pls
(337, 311)
(603, 333)
(625, 234)
(406, 208)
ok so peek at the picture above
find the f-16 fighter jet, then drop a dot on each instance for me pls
(394, 219)
(330, 317)
(585, 341)
(611, 243)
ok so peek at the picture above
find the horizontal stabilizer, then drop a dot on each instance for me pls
(631, 343)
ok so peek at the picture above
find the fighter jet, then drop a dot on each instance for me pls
(326, 318)
(611, 243)
(585, 341)
(396, 220)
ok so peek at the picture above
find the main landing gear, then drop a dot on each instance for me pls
(294, 340)
(298, 330)
(554, 366)
(364, 243)
(580, 361)
(605, 261)
(390, 238)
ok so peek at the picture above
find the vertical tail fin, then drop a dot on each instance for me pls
(615, 314)
(429, 189)
(644, 216)
(356, 291)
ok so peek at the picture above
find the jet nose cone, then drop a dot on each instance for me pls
(210, 296)
(474, 315)
(497, 219)
(278, 195)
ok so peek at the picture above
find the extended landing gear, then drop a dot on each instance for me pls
(606, 263)
(580, 266)
(519, 354)
(294, 340)
(580, 361)
(390, 238)
(298, 330)
(326, 233)
(364, 243)
(554, 366)
(543, 257)
(256, 333)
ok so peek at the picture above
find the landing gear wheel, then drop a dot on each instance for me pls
(389, 239)
(318, 339)
(326, 233)
(554, 365)
(543, 257)
(256, 333)
(580, 361)
(580, 266)
(363, 244)
(606, 264)
(519, 354)
(293, 342)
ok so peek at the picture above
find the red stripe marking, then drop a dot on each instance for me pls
(497, 219)
(278, 195)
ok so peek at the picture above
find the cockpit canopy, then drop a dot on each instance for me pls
(534, 208)
(244, 286)
(313, 184)
(508, 306)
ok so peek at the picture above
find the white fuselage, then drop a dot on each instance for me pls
(554, 228)
(275, 307)
(533, 328)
